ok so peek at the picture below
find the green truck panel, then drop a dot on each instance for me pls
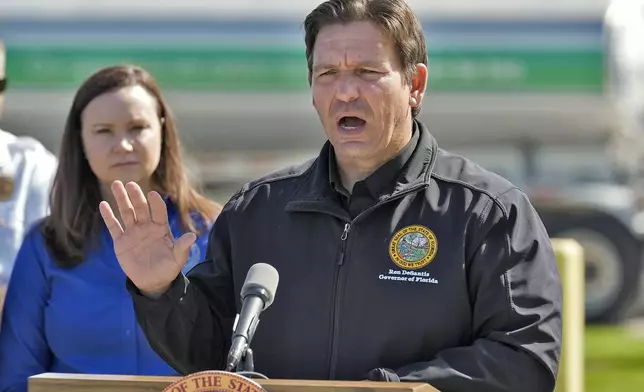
(284, 69)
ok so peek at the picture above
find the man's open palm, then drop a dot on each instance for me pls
(144, 245)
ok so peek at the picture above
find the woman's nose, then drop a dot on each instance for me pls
(124, 144)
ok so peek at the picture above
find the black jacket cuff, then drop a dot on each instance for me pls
(174, 293)
(383, 374)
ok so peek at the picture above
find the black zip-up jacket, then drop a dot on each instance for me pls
(450, 279)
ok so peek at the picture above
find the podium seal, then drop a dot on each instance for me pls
(214, 381)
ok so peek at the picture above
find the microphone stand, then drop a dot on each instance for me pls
(246, 366)
(247, 363)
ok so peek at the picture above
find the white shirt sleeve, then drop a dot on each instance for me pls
(32, 169)
(37, 206)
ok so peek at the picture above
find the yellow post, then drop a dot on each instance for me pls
(570, 258)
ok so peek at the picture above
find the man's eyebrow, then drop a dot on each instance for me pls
(372, 64)
(319, 67)
(368, 64)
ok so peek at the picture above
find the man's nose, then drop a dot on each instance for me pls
(347, 89)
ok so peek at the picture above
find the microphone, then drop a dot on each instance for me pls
(257, 294)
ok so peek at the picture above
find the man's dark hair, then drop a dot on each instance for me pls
(393, 17)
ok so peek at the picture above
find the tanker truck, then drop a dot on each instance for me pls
(541, 94)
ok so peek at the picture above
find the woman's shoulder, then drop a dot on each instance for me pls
(199, 219)
(203, 224)
(33, 248)
(34, 234)
(200, 246)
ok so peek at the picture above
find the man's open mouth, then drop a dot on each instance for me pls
(351, 122)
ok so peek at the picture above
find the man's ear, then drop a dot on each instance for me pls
(418, 85)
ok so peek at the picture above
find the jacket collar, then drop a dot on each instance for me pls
(317, 194)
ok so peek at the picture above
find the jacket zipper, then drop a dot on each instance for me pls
(335, 329)
(336, 302)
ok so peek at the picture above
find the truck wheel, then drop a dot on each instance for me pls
(613, 260)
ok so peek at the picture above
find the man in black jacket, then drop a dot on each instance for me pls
(398, 261)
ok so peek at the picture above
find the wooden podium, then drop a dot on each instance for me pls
(57, 382)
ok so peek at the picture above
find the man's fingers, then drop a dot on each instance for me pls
(182, 247)
(124, 204)
(110, 220)
(137, 198)
(158, 208)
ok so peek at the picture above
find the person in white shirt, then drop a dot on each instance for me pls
(27, 169)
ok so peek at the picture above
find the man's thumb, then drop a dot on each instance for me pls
(182, 247)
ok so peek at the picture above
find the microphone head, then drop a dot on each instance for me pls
(261, 280)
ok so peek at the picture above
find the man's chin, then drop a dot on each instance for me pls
(352, 151)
